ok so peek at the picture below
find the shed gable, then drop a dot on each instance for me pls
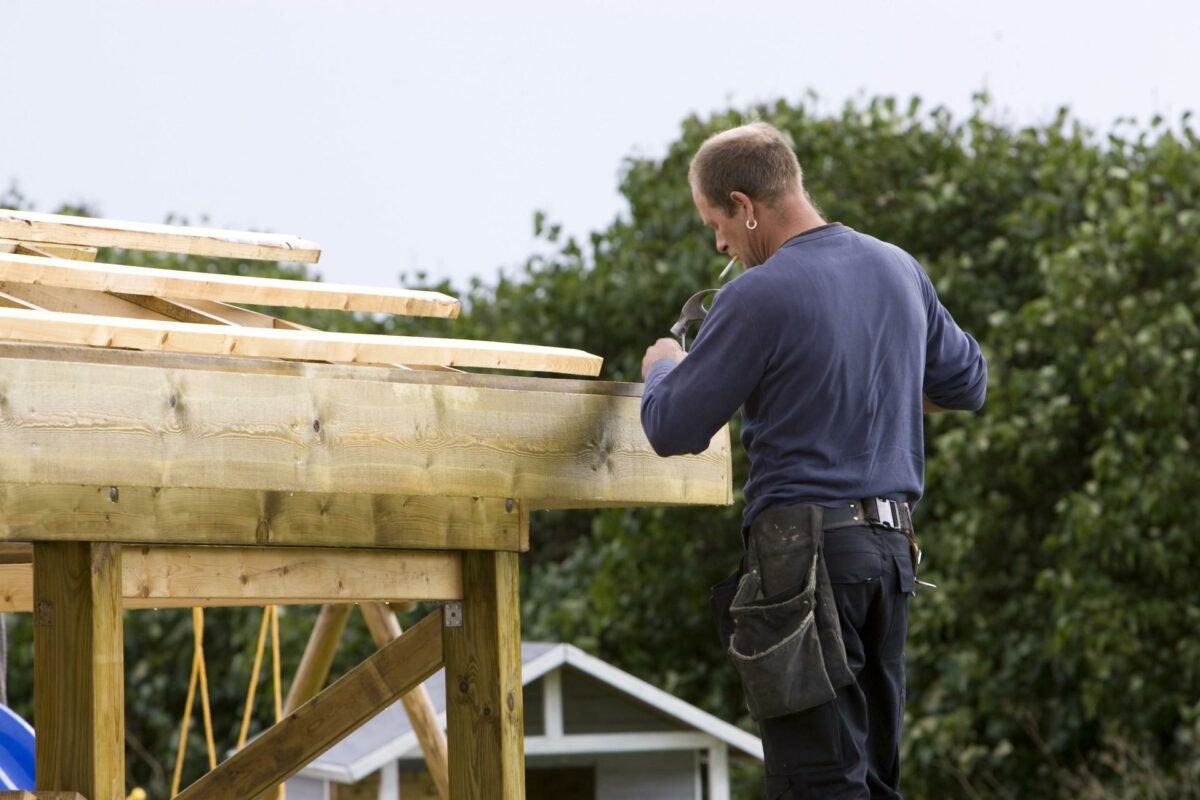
(592, 706)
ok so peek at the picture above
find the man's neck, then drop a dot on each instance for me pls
(795, 218)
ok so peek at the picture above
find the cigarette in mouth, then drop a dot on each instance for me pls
(728, 267)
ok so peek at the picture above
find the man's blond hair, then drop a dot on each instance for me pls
(753, 159)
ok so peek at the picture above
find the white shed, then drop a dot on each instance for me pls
(592, 732)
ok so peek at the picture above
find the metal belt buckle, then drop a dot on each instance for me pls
(888, 513)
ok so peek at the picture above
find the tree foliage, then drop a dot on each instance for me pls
(1059, 521)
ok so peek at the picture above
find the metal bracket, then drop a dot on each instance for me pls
(452, 614)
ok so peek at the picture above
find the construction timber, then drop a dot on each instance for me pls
(163, 446)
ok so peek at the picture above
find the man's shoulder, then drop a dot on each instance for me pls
(874, 243)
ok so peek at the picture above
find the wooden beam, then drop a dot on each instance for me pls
(17, 553)
(71, 251)
(154, 282)
(484, 713)
(16, 587)
(205, 312)
(11, 301)
(79, 694)
(322, 722)
(185, 577)
(173, 309)
(412, 434)
(318, 656)
(384, 627)
(30, 226)
(350, 348)
(55, 299)
(48, 512)
(308, 369)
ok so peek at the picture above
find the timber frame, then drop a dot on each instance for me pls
(230, 458)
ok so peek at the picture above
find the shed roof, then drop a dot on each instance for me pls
(389, 736)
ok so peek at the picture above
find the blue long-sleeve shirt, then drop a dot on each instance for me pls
(827, 347)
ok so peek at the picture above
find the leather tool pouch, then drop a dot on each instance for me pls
(776, 643)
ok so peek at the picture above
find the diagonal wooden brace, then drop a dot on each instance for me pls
(384, 627)
(285, 748)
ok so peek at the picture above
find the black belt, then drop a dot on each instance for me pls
(875, 512)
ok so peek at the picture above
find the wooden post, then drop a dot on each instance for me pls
(384, 627)
(318, 655)
(79, 683)
(484, 715)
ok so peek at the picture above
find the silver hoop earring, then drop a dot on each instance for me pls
(751, 224)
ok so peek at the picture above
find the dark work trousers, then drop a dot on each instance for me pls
(849, 748)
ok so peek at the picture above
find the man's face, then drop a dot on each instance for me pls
(730, 231)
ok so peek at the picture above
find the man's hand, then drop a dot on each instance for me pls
(663, 348)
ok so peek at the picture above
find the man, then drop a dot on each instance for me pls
(832, 343)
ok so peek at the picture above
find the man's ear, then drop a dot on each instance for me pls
(745, 206)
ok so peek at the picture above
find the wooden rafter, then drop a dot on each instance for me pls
(152, 282)
(71, 251)
(183, 337)
(30, 226)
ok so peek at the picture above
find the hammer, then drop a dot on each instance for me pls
(694, 310)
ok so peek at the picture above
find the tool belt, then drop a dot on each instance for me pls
(777, 618)
(784, 636)
(876, 512)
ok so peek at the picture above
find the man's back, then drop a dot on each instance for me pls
(829, 344)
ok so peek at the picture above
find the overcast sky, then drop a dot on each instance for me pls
(409, 136)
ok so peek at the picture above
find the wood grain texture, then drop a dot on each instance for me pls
(11, 301)
(328, 718)
(429, 434)
(179, 576)
(70, 273)
(79, 694)
(72, 251)
(178, 310)
(77, 301)
(484, 712)
(16, 553)
(47, 512)
(31, 226)
(307, 369)
(384, 627)
(185, 577)
(349, 348)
